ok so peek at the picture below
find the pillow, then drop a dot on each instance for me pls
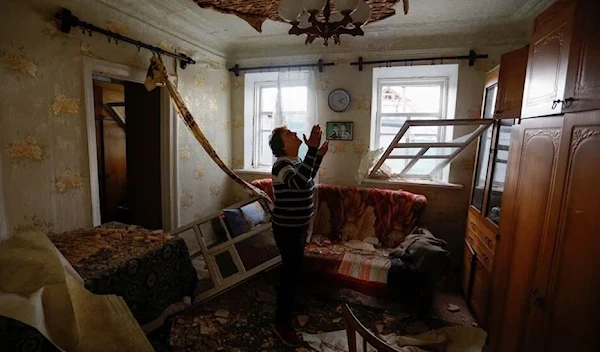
(235, 222)
(254, 213)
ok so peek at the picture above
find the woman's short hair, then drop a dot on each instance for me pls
(276, 141)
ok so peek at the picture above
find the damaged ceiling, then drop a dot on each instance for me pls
(429, 24)
(256, 12)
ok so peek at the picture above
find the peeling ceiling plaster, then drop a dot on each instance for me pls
(429, 23)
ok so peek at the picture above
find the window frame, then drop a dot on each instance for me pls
(254, 82)
(461, 146)
(444, 75)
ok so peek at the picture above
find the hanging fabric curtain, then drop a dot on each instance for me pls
(296, 107)
(296, 103)
(157, 75)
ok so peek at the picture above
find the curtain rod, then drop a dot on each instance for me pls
(471, 57)
(67, 21)
(320, 64)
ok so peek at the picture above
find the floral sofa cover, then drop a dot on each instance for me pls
(355, 229)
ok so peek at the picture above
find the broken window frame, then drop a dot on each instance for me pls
(461, 146)
(220, 283)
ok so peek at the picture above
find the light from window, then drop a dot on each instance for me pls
(402, 94)
(294, 109)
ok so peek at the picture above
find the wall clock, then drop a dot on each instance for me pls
(339, 100)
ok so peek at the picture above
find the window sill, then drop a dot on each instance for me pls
(416, 183)
(261, 171)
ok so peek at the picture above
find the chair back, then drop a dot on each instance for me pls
(354, 326)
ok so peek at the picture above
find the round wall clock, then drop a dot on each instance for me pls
(339, 100)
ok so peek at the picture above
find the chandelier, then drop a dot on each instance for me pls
(316, 19)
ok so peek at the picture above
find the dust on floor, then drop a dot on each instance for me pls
(240, 319)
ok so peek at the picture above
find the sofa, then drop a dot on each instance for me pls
(354, 230)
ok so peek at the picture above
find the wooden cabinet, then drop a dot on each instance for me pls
(563, 73)
(503, 88)
(510, 83)
(468, 266)
(526, 204)
(583, 75)
(547, 269)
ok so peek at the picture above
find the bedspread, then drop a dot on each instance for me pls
(150, 270)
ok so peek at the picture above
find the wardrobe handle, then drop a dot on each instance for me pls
(568, 102)
(555, 103)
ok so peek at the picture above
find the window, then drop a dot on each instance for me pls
(261, 95)
(415, 93)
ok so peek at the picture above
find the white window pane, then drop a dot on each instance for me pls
(267, 98)
(266, 155)
(411, 98)
(423, 167)
(296, 122)
(294, 98)
(424, 130)
(393, 121)
(267, 122)
(440, 151)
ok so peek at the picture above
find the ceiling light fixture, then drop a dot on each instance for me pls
(315, 18)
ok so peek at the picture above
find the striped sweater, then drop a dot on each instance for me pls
(293, 185)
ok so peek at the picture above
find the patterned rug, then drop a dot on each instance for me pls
(240, 319)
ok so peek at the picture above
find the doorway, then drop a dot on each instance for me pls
(127, 122)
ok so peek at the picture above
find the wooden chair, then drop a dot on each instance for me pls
(354, 326)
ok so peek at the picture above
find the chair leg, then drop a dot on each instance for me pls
(351, 334)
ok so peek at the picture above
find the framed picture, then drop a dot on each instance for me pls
(343, 131)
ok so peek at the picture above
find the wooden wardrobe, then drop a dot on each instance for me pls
(546, 275)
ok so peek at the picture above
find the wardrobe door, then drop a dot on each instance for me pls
(572, 309)
(532, 164)
(547, 64)
(583, 77)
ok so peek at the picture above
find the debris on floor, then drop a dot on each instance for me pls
(240, 319)
(453, 308)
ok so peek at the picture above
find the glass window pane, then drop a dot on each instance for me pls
(490, 101)
(481, 169)
(424, 167)
(267, 122)
(294, 99)
(403, 98)
(265, 155)
(267, 98)
(440, 151)
(499, 173)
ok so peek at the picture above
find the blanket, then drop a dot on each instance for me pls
(424, 253)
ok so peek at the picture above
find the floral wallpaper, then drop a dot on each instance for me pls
(202, 185)
(447, 208)
(44, 166)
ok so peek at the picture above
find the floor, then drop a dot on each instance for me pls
(240, 319)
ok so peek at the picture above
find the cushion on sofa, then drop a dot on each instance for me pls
(355, 213)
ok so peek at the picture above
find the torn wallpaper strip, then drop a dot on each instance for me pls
(157, 74)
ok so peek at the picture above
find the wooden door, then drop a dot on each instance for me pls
(547, 64)
(569, 314)
(510, 83)
(583, 77)
(480, 296)
(142, 109)
(115, 168)
(525, 202)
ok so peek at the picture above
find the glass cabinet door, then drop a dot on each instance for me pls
(485, 142)
(499, 171)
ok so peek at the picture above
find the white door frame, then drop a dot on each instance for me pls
(168, 142)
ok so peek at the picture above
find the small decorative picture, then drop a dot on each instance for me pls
(340, 130)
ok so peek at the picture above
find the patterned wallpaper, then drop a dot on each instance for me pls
(205, 90)
(447, 208)
(43, 139)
